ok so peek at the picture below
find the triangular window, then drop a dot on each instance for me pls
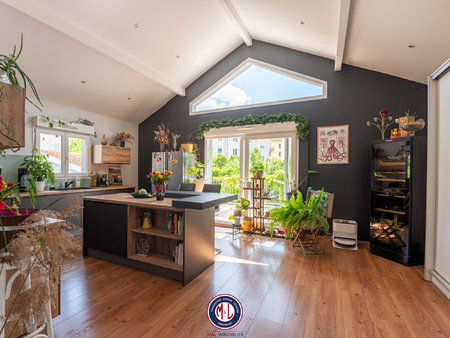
(255, 83)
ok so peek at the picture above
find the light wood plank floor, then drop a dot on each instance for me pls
(341, 293)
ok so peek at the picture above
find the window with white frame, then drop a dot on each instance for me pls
(254, 84)
(67, 152)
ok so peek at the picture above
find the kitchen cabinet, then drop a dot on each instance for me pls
(108, 227)
(110, 155)
(12, 108)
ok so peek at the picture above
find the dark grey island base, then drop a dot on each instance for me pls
(113, 226)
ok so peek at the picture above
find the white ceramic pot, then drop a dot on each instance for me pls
(40, 185)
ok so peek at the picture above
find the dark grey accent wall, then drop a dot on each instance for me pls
(354, 96)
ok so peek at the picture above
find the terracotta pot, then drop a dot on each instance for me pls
(189, 147)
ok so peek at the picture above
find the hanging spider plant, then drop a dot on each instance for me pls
(8, 63)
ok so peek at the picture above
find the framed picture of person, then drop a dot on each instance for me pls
(333, 144)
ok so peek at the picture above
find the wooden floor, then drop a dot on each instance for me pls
(341, 293)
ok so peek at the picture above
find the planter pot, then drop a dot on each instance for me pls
(259, 173)
(189, 147)
(246, 225)
(160, 190)
(122, 144)
(237, 221)
(40, 185)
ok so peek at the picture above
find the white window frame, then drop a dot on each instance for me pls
(243, 67)
(246, 133)
(65, 150)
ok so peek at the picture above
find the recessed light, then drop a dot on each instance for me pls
(129, 98)
(177, 56)
(411, 46)
(302, 22)
(136, 25)
(82, 81)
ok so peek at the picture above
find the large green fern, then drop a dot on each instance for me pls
(296, 213)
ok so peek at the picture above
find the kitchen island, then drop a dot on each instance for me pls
(113, 231)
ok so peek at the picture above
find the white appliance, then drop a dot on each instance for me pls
(345, 234)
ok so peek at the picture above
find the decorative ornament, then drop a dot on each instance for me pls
(382, 123)
(142, 247)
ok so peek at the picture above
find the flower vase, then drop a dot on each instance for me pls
(162, 148)
(122, 144)
(160, 190)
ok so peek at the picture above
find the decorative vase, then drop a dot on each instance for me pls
(40, 185)
(104, 140)
(122, 144)
(162, 147)
(160, 190)
(246, 224)
(189, 147)
(147, 224)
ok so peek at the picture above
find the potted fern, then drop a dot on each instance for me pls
(39, 168)
(296, 213)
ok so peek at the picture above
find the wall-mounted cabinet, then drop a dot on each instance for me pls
(12, 109)
(110, 155)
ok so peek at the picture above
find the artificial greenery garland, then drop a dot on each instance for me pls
(300, 120)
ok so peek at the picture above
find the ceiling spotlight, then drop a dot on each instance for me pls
(411, 46)
(177, 56)
(82, 81)
(136, 25)
(302, 22)
(129, 98)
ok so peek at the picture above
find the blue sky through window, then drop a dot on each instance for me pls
(257, 85)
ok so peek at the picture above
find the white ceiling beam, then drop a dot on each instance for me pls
(232, 15)
(344, 13)
(49, 18)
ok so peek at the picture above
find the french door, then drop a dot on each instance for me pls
(231, 154)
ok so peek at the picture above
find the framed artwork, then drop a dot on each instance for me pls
(332, 145)
(115, 176)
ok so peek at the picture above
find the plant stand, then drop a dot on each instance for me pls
(235, 230)
(309, 246)
(257, 205)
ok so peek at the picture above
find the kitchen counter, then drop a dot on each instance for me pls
(113, 231)
(80, 190)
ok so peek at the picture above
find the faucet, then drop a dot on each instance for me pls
(68, 184)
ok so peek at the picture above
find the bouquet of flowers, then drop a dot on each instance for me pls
(162, 134)
(158, 178)
(8, 190)
(124, 136)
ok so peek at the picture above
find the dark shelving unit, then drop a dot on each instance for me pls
(398, 199)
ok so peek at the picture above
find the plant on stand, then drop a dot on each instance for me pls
(162, 136)
(297, 214)
(257, 169)
(39, 168)
(240, 208)
(124, 137)
(159, 179)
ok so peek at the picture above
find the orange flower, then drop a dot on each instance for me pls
(170, 173)
(160, 176)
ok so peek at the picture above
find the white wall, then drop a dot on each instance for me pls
(103, 125)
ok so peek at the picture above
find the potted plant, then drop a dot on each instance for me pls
(123, 137)
(39, 168)
(296, 213)
(257, 169)
(159, 179)
(240, 206)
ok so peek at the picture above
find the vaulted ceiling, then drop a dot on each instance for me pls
(126, 59)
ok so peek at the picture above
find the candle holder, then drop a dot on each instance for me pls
(382, 123)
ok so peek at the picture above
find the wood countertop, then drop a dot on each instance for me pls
(176, 201)
(78, 191)
(127, 199)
